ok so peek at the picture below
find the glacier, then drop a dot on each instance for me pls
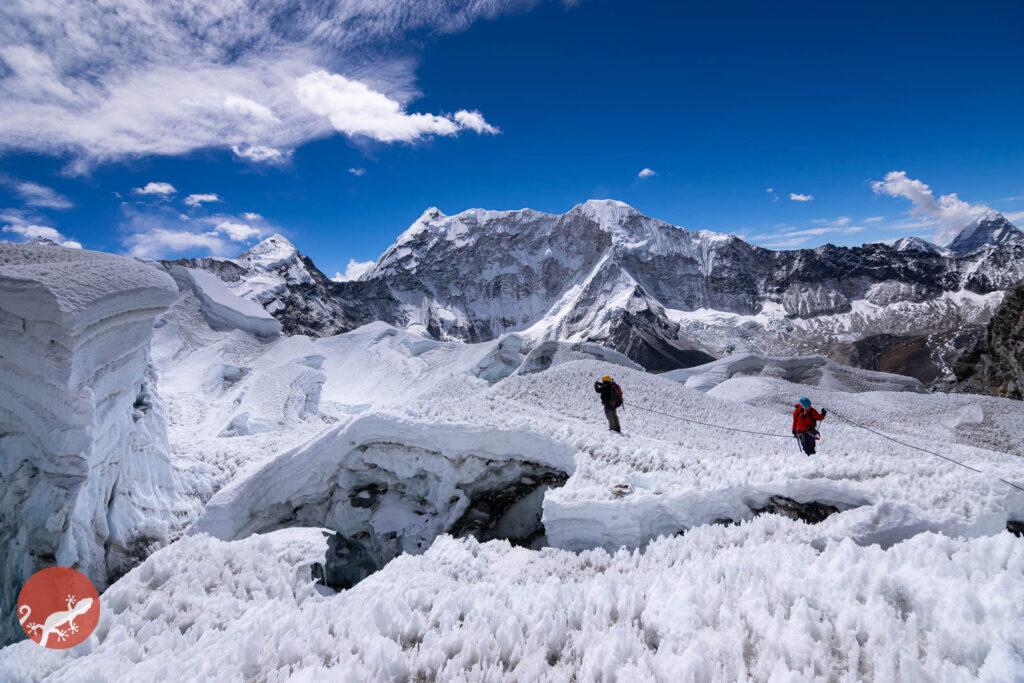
(382, 504)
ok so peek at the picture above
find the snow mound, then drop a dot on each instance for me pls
(810, 370)
(85, 475)
(222, 307)
(737, 603)
(274, 397)
(550, 353)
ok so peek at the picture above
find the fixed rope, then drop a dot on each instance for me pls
(706, 424)
(831, 412)
(924, 450)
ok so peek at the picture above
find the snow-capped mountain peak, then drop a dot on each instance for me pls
(913, 243)
(990, 227)
(271, 253)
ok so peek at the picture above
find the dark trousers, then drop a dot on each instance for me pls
(613, 419)
(807, 442)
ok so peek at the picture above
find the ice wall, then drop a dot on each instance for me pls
(85, 475)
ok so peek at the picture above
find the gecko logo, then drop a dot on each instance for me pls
(58, 607)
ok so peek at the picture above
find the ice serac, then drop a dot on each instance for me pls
(85, 475)
(222, 307)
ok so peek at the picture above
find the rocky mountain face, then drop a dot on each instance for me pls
(665, 296)
(292, 289)
(996, 364)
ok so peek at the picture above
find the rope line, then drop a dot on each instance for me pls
(841, 417)
(707, 424)
(925, 450)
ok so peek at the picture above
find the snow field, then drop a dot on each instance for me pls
(743, 602)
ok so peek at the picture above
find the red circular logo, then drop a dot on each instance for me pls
(58, 607)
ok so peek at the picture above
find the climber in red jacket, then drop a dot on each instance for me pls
(805, 424)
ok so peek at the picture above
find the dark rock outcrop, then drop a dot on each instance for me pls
(996, 364)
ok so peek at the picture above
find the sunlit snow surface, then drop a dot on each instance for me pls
(914, 579)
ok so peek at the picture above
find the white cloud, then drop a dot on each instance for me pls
(354, 270)
(123, 78)
(874, 219)
(197, 199)
(160, 189)
(357, 172)
(29, 231)
(797, 197)
(771, 193)
(474, 121)
(160, 242)
(252, 216)
(157, 231)
(238, 232)
(39, 196)
(646, 173)
(945, 215)
(260, 154)
(356, 110)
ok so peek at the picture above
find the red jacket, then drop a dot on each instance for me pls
(804, 420)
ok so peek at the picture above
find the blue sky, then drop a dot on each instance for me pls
(339, 127)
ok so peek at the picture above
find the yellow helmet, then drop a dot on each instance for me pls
(606, 378)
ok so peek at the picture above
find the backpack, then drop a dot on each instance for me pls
(616, 395)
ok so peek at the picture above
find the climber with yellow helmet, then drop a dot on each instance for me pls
(611, 399)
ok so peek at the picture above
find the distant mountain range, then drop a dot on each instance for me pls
(664, 296)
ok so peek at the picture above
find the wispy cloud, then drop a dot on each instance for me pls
(797, 197)
(36, 195)
(791, 237)
(771, 193)
(945, 215)
(646, 173)
(122, 78)
(357, 172)
(202, 198)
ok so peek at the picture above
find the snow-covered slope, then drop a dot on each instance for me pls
(917, 244)
(85, 477)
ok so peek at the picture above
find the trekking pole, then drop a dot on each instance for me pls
(799, 446)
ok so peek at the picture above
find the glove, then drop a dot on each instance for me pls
(794, 432)
(824, 412)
